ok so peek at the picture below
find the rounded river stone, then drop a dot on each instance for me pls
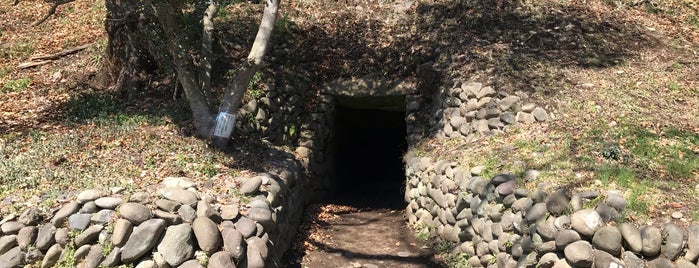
(134, 212)
(608, 239)
(632, 236)
(207, 234)
(586, 221)
(579, 253)
(652, 239)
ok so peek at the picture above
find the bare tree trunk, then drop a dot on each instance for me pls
(129, 56)
(206, 51)
(195, 80)
(186, 74)
(233, 95)
(119, 16)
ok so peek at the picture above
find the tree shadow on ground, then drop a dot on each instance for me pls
(424, 259)
(507, 39)
(523, 47)
(157, 107)
(509, 45)
(326, 230)
(528, 46)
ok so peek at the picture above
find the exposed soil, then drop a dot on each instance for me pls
(343, 236)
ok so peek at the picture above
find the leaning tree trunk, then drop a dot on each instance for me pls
(233, 95)
(125, 29)
(197, 88)
(192, 85)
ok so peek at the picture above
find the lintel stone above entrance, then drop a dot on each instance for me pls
(369, 87)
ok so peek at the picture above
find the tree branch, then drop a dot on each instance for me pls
(233, 95)
(207, 39)
(61, 53)
(52, 11)
(259, 47)
(203, 119)
(237, 88)
(41, 60)
(31, 64)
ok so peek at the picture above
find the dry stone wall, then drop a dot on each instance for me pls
(285, 114)
(470, 107)
(312, 150)
(273, 112)
(177, 225)
(494, 222)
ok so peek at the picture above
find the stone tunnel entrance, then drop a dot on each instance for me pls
(362, 222)
(369, 140)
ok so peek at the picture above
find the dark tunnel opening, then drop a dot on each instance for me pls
(368, 145)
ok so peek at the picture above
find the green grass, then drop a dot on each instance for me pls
(21, 50)
(694, 214)
(106, 247)
(622, 176)
(491, 167)
(100, 156)
(670, 153)
(680, 11)
(692, 21)
(461, 260)
(89, 106)
(444, 250)
(16, 85)
(5, 70)
(638, 189)
(442, 247)
(68, 258)
(642, 162)
(105, 109)
(638, 154)
(674, 86)
(283, 26)
(291, 129)
(254, 86)
(423, 235)
(591, 204)
(638, 198)
(104, 145)
(641, 142)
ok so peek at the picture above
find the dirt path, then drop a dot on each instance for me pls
(342, 236)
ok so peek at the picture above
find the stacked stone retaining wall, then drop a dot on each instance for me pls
(494, 222)
(274, 112)
(470, 108)
(179, 224)
(286, 114)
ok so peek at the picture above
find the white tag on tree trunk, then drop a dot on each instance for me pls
(224, 125)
